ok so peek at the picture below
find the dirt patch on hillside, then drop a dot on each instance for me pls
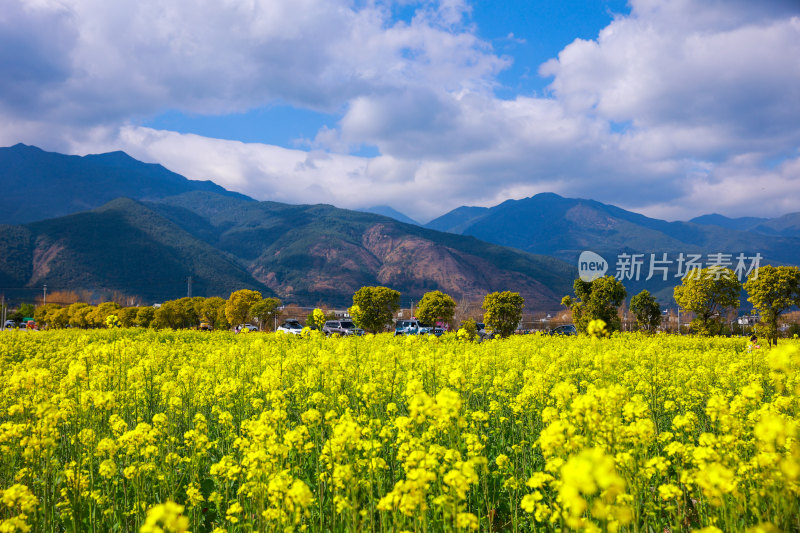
(43, 255)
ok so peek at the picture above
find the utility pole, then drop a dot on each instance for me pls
(189, 287)
(44, 294)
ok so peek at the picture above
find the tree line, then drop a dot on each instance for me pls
(707, 293)
(216, 312)
(373, 310)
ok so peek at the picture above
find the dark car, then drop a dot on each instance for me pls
(567, 329)
(341, 327)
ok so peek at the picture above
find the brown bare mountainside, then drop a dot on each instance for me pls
(305, 255)
(319, 253)
(175, 229)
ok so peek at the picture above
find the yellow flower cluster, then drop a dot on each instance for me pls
(139, 430)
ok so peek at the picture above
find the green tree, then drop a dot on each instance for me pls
(27, 310)
(198, 302)
(707, 293)
(375, 307)
(598, 299)
(59, 319)
(646, 310)
(97, 318)
(237, 308)
(170, 314)
(79, 315)
(213, 312)
(16, 316)
(127, 316)
(43, 314)
(468, 330)
(316, 318)
(503, 311)
(266, 312)
(356, 315)
(189, 311)
(145, 316)
(772, 290)
(436, 306)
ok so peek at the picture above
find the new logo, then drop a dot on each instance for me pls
(591, 266)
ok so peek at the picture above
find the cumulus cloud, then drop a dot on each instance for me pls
(271, 172)
(114, 60)
(672, 110)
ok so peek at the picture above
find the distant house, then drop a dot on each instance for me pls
(748, 320)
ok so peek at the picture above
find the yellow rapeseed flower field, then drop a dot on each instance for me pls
(140, 430)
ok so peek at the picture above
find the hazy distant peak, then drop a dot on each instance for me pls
(390, 212)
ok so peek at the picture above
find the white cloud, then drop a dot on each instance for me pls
(673, 110)
(738, 188)
(270, 172)
(102, 61)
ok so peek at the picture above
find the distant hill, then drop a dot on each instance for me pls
(161, 228)
(39, 185)
(740, 224)
(142, 230)
(457, 220)
(311, 253)
(564, 227)
(390, 212)
(785, 226)
(122, 246)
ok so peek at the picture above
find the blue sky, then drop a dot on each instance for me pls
(670, 108)
(529, 32)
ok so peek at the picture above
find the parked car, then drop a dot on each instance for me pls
(567, 329)
(9, 324)
(341, 327)
(482, 333)
(292, 326)
(411, 327)
(205, 326)
(249, 327)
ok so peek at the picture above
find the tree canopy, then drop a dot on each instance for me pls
(598, 299)
(436, 306)
(773, 290)
(375, 307)
(646, 310)
(266, 312)
(316, 318)
(503, 311)
(237, 308)
(707, 293)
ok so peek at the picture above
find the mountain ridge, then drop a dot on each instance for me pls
(321, 253)
(561, 227)
(39, 185)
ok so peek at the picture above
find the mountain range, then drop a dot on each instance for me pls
(111, 223)
(38, 185)
(307, 254)
(560, 227)
(783, 226)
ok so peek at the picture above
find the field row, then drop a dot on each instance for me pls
(135, 429)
